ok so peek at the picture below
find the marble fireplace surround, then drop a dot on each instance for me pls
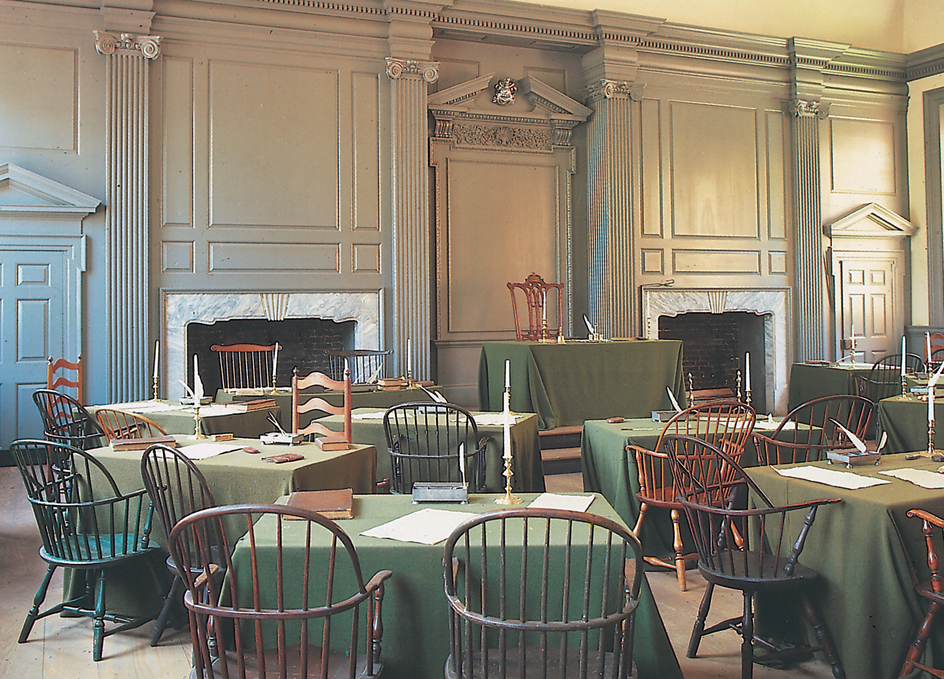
(771, 303)
(181, 308)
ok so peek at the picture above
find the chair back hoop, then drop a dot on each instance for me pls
(301, 404)
(809, 431)
(538, 301)
(553, 591)
(884, 379)
(124, 424)
(282, 591)
(725, 424)
(176, 486)
(83, 518)
(60, 364)
(423, 441)
(65, 420)
(364, 364)
(708, 477)
(247, 366)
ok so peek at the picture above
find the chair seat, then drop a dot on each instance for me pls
(338, 667)
(91, 551)
(746, 574)
(533, 664)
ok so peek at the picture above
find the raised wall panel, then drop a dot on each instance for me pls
(177, 257)
(365, 142)
(177, 141)
(715, 262)
(513, 235)
(366, 258)
(273, 146)
(862, 154)
(651, 169)
(653, 261)
(776, 197)
(246, 257)
(714, 171)
(38, 90)
(32, 274)
(777, 263)
(32, 329)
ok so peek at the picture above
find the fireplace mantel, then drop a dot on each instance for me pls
(771, 303)
(180, 309)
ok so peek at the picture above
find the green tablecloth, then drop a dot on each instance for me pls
(609, 470)
(905, 420)
(235, 477)
(868, 554)
(367, 427)
(813, 381)
(566, 384)
(175, 418)
(372, 398)
(415, 640)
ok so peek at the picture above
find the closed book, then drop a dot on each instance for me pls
(331, 504)
(258, 404)
(332, 443)
(143, 443)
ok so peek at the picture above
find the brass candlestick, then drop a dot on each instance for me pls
(508, 498)
(739, 385)
(197, 434)
(930, 438)
(155, 388)
(747, 396)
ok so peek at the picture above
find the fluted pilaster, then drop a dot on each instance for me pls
(412, 295)
(809, 299)
(126, 233)
(612, 302)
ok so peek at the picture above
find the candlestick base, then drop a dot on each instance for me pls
(197, 434)
(747, 397)
(930, 438)
(508, 498)
(155, 389)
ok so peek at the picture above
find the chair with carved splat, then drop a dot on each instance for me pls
(538, 299)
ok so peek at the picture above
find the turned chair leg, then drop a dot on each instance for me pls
(699, 628)
(172, 596)
(37, 602)
(98, 636)
(824, 638)
(679, 554)
(642, 512)
(747, 637)
(917, 646)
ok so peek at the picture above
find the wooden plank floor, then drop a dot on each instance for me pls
(62, 647)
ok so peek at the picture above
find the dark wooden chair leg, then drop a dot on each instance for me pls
(917, 646)
(824, 638)
(747, 637)
(699, 626)
(172, 596)
(98, 637)
(37, 602)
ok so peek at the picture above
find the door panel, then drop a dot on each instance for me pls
(31, 329)
(871, 300)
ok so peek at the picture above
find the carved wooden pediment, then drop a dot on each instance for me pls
(548, 123)
(22, 191)
(870, 221)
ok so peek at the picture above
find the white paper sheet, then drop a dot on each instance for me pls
(577, 503)
(201, 451)
(919, 477)
(493, 419)
(144, 406)
(368, 416)
(830, 477)
(426, 526)
(220, 409)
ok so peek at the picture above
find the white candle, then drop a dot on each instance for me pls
(902, 355)
(157, 356)
(927, 345)
(930, 404)
(747, 371)
(275, 362)
(409, 356)
(507, 426)
(543, 313)
(507, 374)
(197, 383)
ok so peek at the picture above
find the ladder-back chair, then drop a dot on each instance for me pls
(538, 300)
(316, 403)
(63, 373)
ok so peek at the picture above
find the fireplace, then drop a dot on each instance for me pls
(770, 304)
(363, 309)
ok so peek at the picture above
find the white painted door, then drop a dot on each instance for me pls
(871, 300)
(31, 329)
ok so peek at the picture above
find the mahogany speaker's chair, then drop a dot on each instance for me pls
(539, 593)
(65, 420)
(86, 523)
(809, 430)
(123, 424)
(933, 592)
(63, 373)
(177, 489)
(544, 304)
(424, 439)
(271, 616)
(751, 551)
(247, 366)
(727, 424)
(316, 403)
(884, 379)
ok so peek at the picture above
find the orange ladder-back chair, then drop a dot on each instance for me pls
(60, 364)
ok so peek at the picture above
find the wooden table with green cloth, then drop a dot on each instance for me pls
(566, 384)
(609, 470)
(415, 641)
(175, 418)
(905, 420)
(869, 555)
(816, 379)
(361, 397)
(234, 477)
(367, 427)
